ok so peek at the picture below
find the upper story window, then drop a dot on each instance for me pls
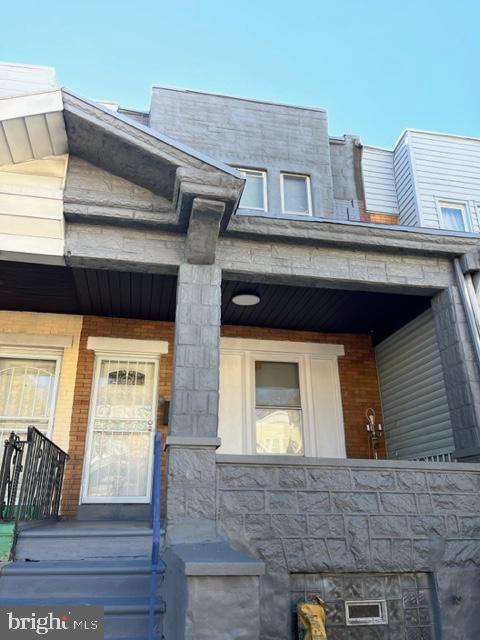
(255, 193)
(453, 215)
(296, 194)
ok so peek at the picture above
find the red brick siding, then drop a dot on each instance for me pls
(112, 328)
(357, 369)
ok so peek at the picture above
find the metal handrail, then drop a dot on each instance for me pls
(155, 563)
(40, 479)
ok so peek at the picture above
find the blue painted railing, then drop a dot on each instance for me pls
(156, 565)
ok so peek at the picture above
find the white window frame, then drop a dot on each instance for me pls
(305, 355)
(454, 204)
(39, 353)
(258, 173)
(382, 619)
(305, 408)
(309, 193)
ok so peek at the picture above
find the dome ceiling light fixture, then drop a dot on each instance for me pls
(246, 299)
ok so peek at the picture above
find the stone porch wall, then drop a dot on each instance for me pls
(324, 516)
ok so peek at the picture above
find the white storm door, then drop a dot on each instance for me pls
(118, 465)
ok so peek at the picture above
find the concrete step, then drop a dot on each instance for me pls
(74, 579)
(125, 618)
(84, 541)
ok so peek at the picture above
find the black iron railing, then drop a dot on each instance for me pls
(31, 477)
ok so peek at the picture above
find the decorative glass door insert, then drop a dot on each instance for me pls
(27, 394)
(121, 431)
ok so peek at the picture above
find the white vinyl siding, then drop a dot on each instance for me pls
(447, 168)
(412, 387)
(31, 207)
(379, 181)
(405, 183)
(17, 79)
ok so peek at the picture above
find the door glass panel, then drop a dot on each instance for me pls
(27, 389)
(122, 426)
(278, 411)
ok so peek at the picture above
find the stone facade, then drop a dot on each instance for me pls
(338, 517)
(410, 601)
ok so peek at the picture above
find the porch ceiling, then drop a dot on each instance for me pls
(34, 287)
(325, 310)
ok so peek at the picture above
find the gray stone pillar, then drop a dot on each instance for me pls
(192, 439)
(461, 372)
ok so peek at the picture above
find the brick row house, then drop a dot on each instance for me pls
(294, 313)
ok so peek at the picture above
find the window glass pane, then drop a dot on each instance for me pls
(278, 414)
(295, 194)
(253, 193)
(26, 394)
(277, 384)
(279, 431)
(453, 218)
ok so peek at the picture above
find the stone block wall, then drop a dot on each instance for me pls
(410, 601)
(325, 516)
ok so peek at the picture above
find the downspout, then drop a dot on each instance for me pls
(469, 310)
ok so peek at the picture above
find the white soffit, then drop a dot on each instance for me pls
(32, 127)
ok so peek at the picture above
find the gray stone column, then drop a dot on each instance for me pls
(461, 372)
(192, 439)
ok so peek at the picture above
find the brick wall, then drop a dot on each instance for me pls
(357, 371)
(115, 328)
(379, 218)
(52, 324)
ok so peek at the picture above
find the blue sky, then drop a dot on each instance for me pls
(378, 66)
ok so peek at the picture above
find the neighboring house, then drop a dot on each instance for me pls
(429, 180)
(222, 266)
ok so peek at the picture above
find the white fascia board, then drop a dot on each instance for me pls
(31, 104)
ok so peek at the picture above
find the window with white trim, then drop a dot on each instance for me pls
(453, 215)
(28, 386)
(280, 398)
(254, 195)
(296, 193)
(278, 408)
(366, 612)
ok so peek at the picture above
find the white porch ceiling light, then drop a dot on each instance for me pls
(246, 299)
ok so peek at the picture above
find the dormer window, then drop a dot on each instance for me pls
(255, 193)
(296, 194)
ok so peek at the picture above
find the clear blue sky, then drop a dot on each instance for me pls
(378, 66)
